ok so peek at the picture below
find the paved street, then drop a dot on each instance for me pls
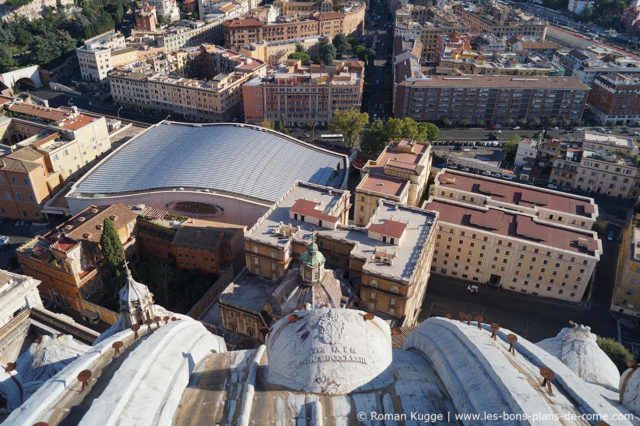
(379, 105)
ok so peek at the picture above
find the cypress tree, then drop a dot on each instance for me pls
(111, 246)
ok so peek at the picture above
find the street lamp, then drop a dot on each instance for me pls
(313, 131)
(121, 106)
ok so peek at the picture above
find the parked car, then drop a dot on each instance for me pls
(26, 224)
(473, 288)
(17, 223)
(610, 235)
(552, 186)
(486, 173)
(4, 240)
(516, 128)
(464, 169)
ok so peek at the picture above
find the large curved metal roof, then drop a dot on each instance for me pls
(239, 159)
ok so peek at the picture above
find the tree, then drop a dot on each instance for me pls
(616, 351)
(341, 44)
(363, 53)
(409, 128)
(326, 52)
(510, 147)
(350, 123)
(119, 13)
(267, 124)
(300, 56)
(111, 246)
(374, 139)
(7, 63)
(280, 127)
(394, 129)
(428, 132)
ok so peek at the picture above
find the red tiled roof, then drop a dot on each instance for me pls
(238, 23)
(516, 226)
(389, 228)
(78, 122)
(382, 184)
(64, 244)
(45, 113)
(514, 194)
(323, 16)
(308, 208)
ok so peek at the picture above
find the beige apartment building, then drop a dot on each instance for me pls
(300, 95)
(46, 147)
(399, 174)
(102, 53)
(514, 236)
(244, 31)
(601, 164)
(626, 292)
(388, 261)
(142, 86)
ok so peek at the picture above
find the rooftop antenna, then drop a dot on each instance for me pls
(547, 375)
(512, 338)
(494, 329)
(83, 377)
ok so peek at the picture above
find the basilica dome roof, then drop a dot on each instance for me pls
(331, 351)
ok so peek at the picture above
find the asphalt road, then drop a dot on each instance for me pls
(379, 103)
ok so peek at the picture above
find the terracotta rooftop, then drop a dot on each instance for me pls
(78, 122)
(5, 100)
(516, 226)
(388, 227)
(87, 225)
(49, 114)
(238, 23)
(25, 154)
(322, 16)
(309, 208)
(522, 195)
(382, 184)
(64, 244)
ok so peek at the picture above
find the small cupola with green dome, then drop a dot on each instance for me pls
(311, 263)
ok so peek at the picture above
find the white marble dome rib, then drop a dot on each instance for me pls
(576, 347)
(329, 351)
(630, 390)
